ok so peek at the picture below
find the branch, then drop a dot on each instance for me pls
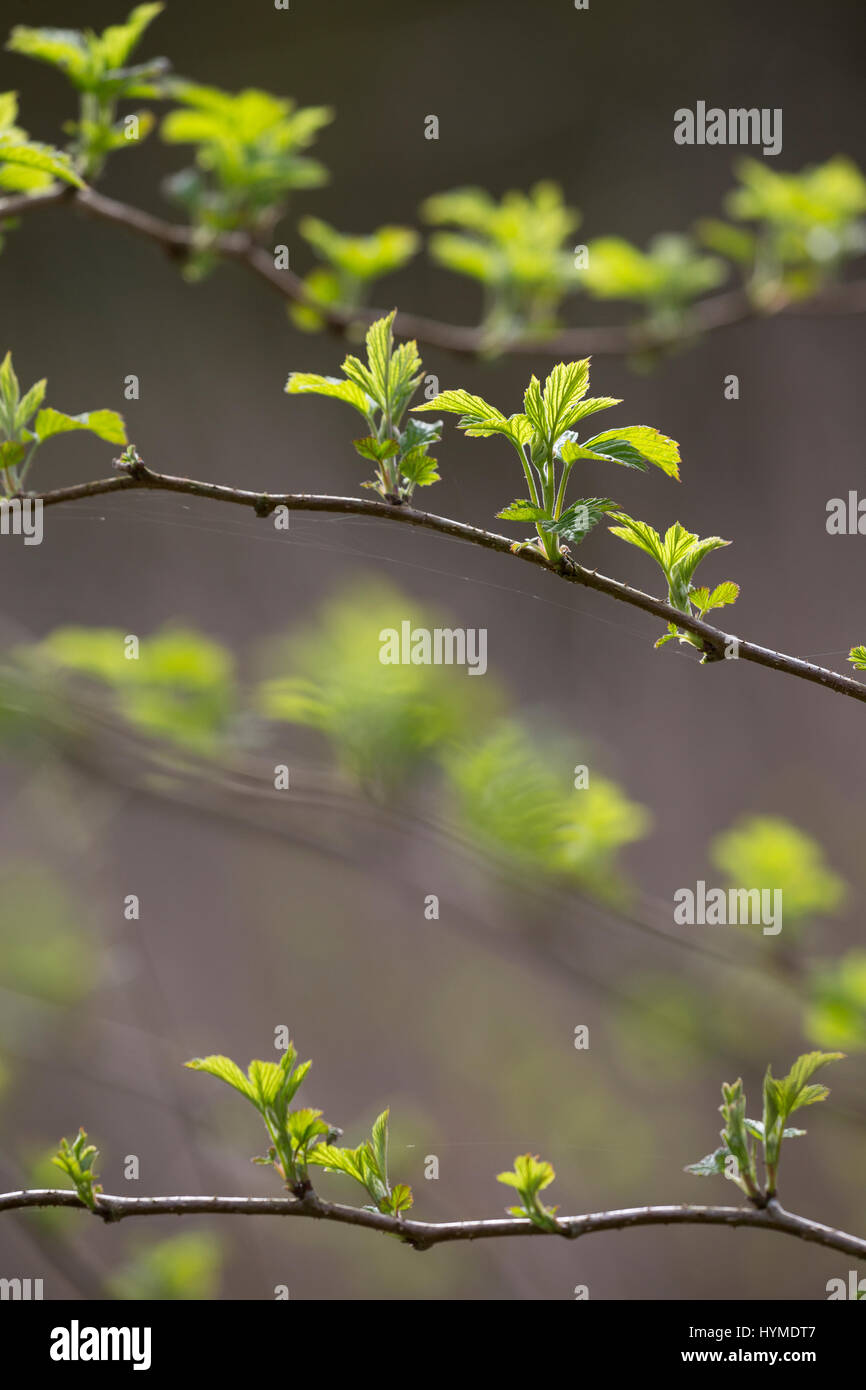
(422, 1235)
(264, 504)
(714, 312)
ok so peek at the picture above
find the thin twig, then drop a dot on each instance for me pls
(717, 644)
(714, 312)
(424, 1234)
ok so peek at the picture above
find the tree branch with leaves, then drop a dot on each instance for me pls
(544, 437)
(302, 1139)
(787, 237)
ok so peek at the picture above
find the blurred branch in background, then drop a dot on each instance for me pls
(420, 754)
(789, 237)
(810, 226)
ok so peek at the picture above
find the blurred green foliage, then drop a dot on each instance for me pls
(248, 158)
(351, 264)
(181, 1267)
(43, 950)
(251, 153)
(383, 722)
(397, 732)
(26, 165)
(514, 248)
(515, 802)
(98, 68)
(807, 225)
(768, 852)
(837, 1014)
(665, 279)
(180, 687)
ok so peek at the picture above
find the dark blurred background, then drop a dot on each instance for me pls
(245, 929)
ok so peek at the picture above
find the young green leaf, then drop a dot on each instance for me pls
(576, 522)
(339, 1160)
(106, 424)
(530, 1177)
(12, 454)
(678, 555)
(636, 446)
(641, 534)
(477, 416)
(21, 436)
(418, 468)
(309, 383)
(517, 248)
(379, 1143)
(368, 1166)
(271, 1087)
(248, 157)
(712, 1165)
(724, 593)
(376, 449)
(400, 1199)
(96, 64)
(352, 264)
(66, 49)
(77, 1161)
(522, 510)
(43, 159)
(743, 1137)
(381, 390)
(225, 1070)
(420, 432)
(564, 389)
(665, 278)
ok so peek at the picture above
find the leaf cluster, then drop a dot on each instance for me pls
(805, 225)
(769, 852)
(349, 266)
(380, 391)
(678, 555)
(270, 1087)
(248, 158)
(514, 248)
(77, 1161)
(97, 65)
(545, 439)
(25, 424)
(368, 1166)
(743, 1139)
(27, 166)
(180, 688)
(530, 1177)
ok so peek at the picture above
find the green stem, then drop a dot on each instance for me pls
(530, 480)
(549, 541)
(560, 496)
(25, 467)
